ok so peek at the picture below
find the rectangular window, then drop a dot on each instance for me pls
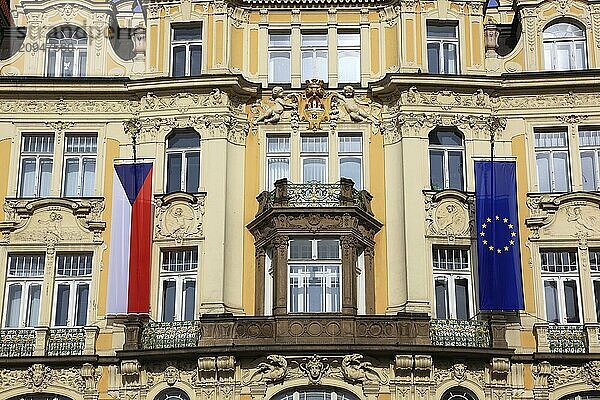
(552, 160)
(350, 156)
(589, 150)
(442, 47)
(179, 268)
(594, 255)
(278, 159)
(186, 50)
(561, 286)
(72, 290)
(280, 55)
(348, 57)
(25, 274)
(313, 154)
(37, 152)
(80, 165)
(314, 56)
(452, 283)
(314, 275)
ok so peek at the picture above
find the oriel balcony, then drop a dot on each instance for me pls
(567, 339)
(48, 342)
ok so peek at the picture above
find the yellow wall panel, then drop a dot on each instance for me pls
(391, 46)
(153, 49)
(313, 17)
(237, 48)
(254, 17)
(219, 43)
(468, 45)
(254, 54)
(209, 40)
(280, 17)
(476, 37)
(348, 17)
(373, 16)
(410, 34)
(375, 68)
(4, 155)
(527, 377)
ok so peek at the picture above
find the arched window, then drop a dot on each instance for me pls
(66, 51)
(183, 161)
(446, 159)
(317, 394)
(172, 394)
(592, 395)
(40, 396)
(459, 393)
(564, 47)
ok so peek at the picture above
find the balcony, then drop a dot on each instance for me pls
(314, 194)
(49, 342)
(171, 335)
(460, 333)
(567, 339)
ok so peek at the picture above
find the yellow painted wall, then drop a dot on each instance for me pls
(313, 17)
(348, 17)
(377, 189)
(219, 43)
(280, 17)
(391, 46)
(4, 155)
(112, 152)
(210, 40)
(153, 49)
(375, 68)
(254, 54)
(237, 48)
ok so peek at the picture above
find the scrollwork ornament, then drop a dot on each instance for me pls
(314, 368)
(592, 373)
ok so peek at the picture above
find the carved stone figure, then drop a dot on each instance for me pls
(586, 222)
(355, 370)
(314, 368)
(273, 113)
(353, 106)
(592, 372)
(459, 372)
(274, 370)
(449, 218)
(37, 374)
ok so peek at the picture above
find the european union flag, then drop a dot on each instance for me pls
(500, 284)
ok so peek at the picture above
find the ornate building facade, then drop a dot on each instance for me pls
(313, 231)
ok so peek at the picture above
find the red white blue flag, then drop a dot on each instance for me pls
(130, 239)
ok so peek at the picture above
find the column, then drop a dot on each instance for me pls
(259, 281)
(369, 256)
(348, 275)
(280, 274)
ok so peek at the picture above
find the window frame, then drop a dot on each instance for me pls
(279, 49)
(180, 278)
(446, 150)
(39, 157)
(183, 151)
(354, 48)
(594, 149)
(351, 154)
(560, 278)
(307, 155)
(274, 155)
(187, 44)
(73, 282)
(79, 49)
(450, 277)
(551, 151)
(441, 41)
(25, 282)
(572, 41)
(81, 157)
(314, 50)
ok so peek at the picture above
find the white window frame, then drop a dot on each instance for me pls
(306, 155)
(73, 281)
(314, 262)
(593, 135)
(595, 273)
(304, 49)
(561, 277)
(180, 278)
(353, 48)
(351, 154)
(26, 282)
(441, 41)
(446, 149)
(39, 157)
(551, 151)
(187, 44)
(62, 45)
(277, 155)
(550, 48)
(81, 158)
(184, 167)
(450, 276)
(279, 49)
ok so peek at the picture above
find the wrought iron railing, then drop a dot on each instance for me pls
(17, 342)
(314, 194)
(460, 333)
(171, 335)
(567, 339)
(65, 342)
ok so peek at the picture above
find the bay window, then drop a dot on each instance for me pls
(280, 55)
(37, 152)
(278, 159)
(560, 279)
(72, 289)
(314, 56)
(314, 154)
(183, 162)
(314, 276)
(80, 165)
(552, 160)
(350, 157)
(446, 160)
(186, 50)
(25, 274)
(589, 150)
(564, 47)
(178, 271)
(442, 47)
(452, 283)
(348, 57)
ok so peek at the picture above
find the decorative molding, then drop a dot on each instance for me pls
(450, 214)
(179, 216)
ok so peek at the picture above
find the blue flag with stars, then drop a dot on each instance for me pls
(500, 283)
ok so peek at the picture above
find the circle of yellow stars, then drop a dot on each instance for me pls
(490, 246)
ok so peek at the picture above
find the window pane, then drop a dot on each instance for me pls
(561, 172)
(187, 33)
(308, 65)
(45, 177)
(83, 291)
(62, 305)
(51, 67)
(315, 292)
(192, 180)
(350, 167)
(571, 302)
(71, 176)
(462, 298)
(455, 170)
(314, 40)
(543, 170)
(195, 60)
(441, 30)
(189, 300)
(300, 249)
(179, 61)
(33, 305)
(277, 168)
(279, 66)
(588, 172)
(597, 299)
(450, 58)
(563, 56)
(28, 177)
(550, 295)
(433, 58)
(68, 58)
(441, 299)
(349, 66)
(183, 140)
(13, 308)
(173, 172)
(548, 56)
(89, 176)
(436, 166)
(314, 169)
(328, 249)
(168, 301)
(81, 68)
(279, 39)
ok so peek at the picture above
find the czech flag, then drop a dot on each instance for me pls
(130, 239)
